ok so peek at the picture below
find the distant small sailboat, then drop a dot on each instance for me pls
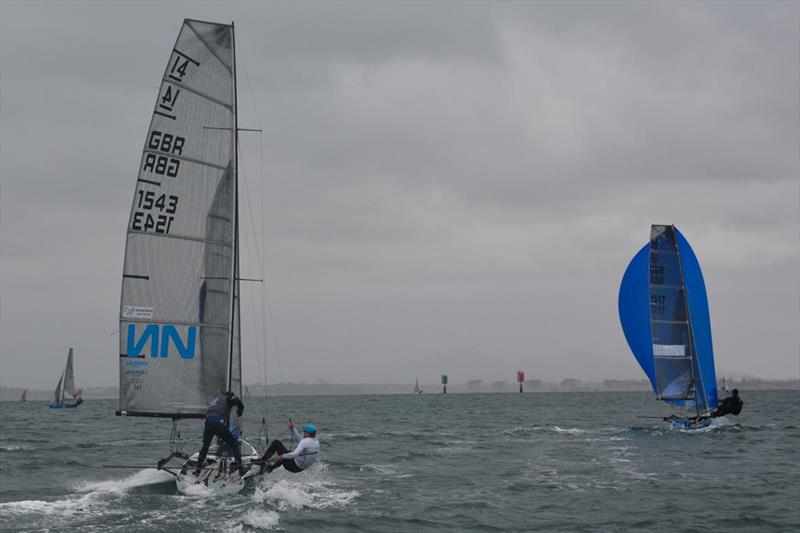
(417, 390)
(66, 386)
(24, 396)
(663, 309)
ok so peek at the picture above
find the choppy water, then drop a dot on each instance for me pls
(550, 462)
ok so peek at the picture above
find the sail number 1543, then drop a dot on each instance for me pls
(145, 218)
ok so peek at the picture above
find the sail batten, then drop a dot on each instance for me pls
(176, 324)
(185, 237)
(195, 91)
(184, 158)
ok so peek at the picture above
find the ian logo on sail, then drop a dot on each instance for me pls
(159, 337)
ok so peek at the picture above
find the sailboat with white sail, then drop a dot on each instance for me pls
(66, 395)
(663, 308)
(180, 329)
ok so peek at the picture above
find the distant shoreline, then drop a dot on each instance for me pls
(473, 387)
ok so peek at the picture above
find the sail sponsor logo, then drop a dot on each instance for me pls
(137, 311)
(669, 350)
(160, 338)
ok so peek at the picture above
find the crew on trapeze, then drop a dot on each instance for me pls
(301, 458)
(217, 418)
(732, 405)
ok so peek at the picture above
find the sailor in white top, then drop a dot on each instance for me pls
(295, 461)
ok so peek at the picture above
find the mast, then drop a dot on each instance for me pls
(235, 262)
(65, 376)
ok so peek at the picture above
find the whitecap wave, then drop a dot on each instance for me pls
(571, 431)
(256, 519)
(90, 502)
(120, 486)
(84, 505)
(309, 489)
(197, 490)
(285, 494)
(380, 469)
(348, 436)
(15, 448)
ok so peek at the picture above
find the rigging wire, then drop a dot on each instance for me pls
(266, 308)
(260, 333)
(265, 304)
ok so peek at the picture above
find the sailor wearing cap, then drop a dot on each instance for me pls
(298, 460)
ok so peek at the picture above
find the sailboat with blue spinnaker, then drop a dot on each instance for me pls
(663, 308)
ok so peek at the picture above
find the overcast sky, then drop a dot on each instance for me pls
(446, 188)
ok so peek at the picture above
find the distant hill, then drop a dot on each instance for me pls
(473, 386)
(12, 394)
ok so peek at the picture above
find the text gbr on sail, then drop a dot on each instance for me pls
(163, 143)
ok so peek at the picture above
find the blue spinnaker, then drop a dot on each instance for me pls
(634, 315)
(663, 310)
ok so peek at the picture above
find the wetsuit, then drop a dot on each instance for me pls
(296, 461)
(731, 405)
(216, 424)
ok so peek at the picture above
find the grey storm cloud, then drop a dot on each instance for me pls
(442, 186)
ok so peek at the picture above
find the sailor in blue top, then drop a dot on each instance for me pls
(216, 424)
(295, 461)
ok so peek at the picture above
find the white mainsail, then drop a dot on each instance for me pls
(179, 314)
(69, 378)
